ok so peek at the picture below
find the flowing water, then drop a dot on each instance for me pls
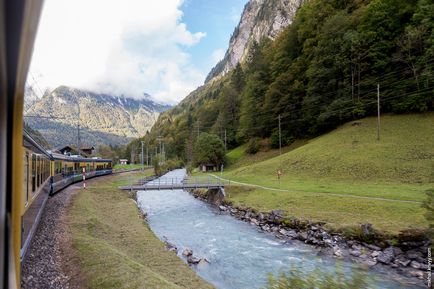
(240, 256)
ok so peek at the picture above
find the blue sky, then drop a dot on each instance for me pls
(129, 47)
(217, 18)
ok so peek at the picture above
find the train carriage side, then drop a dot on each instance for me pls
(36, 188)
(69, 169)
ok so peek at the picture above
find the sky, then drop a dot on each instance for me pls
(130, 47)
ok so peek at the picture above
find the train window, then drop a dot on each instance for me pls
(26, 177)
(33, 172)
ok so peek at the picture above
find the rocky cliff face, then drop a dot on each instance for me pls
(102, 118)
(260, 18)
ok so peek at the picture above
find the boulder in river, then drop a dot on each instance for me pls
(187, 252)
(193, 260)
(223, 208)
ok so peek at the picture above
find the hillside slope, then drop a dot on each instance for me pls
(347, 177)
(350, 160)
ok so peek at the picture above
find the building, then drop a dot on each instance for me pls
(69, 150)
(209, 168)
(123, 161)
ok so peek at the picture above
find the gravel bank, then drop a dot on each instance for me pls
(47, 264)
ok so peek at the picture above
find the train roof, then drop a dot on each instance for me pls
(57, 156)
(29, 142)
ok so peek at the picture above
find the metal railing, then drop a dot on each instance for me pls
(178, 183)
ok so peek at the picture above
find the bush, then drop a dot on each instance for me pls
(287, 139)
(253, 146)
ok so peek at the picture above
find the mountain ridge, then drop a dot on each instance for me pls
(120, 117)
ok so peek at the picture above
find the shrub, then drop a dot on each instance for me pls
(253, 146)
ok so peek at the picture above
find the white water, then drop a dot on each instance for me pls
(240, 256)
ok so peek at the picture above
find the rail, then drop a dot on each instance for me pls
(166, 183)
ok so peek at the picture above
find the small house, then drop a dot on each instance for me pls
(123, 161)
(209, 167)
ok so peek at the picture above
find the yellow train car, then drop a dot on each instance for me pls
(66, 170)
(36, 188)
(47, 173)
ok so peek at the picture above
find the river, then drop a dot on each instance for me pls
(240, 256)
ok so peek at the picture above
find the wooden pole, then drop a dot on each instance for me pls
(378, 112)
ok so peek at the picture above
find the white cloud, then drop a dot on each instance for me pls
(118, 46)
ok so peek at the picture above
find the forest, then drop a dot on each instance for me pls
(323, 70)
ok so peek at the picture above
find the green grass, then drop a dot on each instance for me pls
(127, 167)
(116, 248)
(349, 161)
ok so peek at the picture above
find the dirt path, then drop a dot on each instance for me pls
(50, 262)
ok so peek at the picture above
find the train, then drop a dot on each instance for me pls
(46, 173)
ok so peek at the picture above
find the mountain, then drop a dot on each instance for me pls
(102, 118)
(260, 18)
(328, 67)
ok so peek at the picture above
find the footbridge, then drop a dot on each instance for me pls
(207, 182)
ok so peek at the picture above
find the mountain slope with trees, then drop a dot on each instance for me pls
(320, 72)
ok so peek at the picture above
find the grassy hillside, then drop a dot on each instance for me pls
(347, 177)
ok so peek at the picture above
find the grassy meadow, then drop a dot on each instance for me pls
(346, 177)
(115, 247)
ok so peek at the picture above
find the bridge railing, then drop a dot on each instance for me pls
(175, 181)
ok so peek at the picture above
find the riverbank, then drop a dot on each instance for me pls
(114, 245)
(406, 256)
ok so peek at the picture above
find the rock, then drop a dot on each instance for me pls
(372, 247)
(328, 242)
(302, 236)
(283, 231)
(416, 273)
(415, 265)
(223, 208)
(278, 213)
(292, 234)
(412, 254)
(369, 262)
(355, 253)
(404, 262)
(265, 228)
(254, 222)
(314, 228)
(375, 254)
(387, 256)
(234, 211)
(261, 216)
(193, 260)
(337, 252)
(187, 252)
(203, 261)
(397, 251)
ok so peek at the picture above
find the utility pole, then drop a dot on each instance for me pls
(279, 173)
(78, 139)
(280, 143)
(225, 141)
(147, 156)
(378, 112)
(142, 161)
